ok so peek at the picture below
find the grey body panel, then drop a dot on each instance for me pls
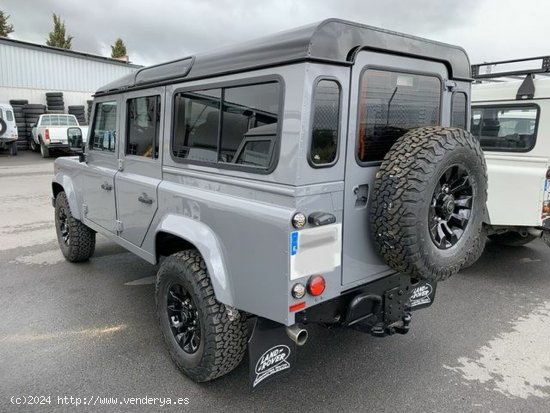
(331, 40)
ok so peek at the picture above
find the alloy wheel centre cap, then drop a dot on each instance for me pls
(449, 205)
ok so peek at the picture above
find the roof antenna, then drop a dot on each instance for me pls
(527, 88)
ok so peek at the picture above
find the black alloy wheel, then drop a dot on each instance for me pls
(451, 207)
(184, 318)
(62, 222)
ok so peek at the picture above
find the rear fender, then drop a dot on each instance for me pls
(206, 242)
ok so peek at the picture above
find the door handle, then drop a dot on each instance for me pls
(362, 196)
(145, 199)
(106, 186)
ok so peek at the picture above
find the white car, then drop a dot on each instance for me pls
(511, 119)
(8, 129)
(51, 133)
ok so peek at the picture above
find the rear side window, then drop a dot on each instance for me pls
(104, 128)
(142, 127)
(390, 105)
(232, 125)
(326, 118)
(196, 125)
(459, 110)
(509, 128)
(9, 116)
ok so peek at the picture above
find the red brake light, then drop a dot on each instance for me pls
(316, 285)
(47, 134)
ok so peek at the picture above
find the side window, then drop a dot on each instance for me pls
(46, 121)
(233, 125)
(104, 127)
(142, 126)
(459, 110)
(510, 128)
(326, 117)
(9, 116)
(391, 104)
(196, 125)
(245, 109)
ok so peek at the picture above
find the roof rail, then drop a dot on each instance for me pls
(541, 66)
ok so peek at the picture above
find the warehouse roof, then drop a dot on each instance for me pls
(72, 53)
(332, 41)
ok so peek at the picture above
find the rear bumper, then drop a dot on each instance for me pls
(382, 307)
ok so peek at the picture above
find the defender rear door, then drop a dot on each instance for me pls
(389, 95)
(140, 162)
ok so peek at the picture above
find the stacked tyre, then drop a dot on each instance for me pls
(89, 112)
(55, 102)
(79, 112)
(32, 112)
(17, 105)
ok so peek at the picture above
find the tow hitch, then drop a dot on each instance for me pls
(389, 312)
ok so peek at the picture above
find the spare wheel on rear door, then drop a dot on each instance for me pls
(429, 201)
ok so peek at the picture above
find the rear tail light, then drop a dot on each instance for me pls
(316, 285)
(47, 134)
(298, 306)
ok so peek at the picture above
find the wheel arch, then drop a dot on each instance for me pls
(176, 233)
(63, 183)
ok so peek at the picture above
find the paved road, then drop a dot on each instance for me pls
(89, 330)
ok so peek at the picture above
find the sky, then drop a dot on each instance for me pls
(162, 30)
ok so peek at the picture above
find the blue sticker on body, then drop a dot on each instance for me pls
(545, 185)
(294, 243)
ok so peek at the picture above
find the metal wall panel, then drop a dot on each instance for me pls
(28, 68)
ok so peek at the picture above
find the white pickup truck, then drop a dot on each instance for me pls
(51, 131)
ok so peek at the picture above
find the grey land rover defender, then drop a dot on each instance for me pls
(320, 175)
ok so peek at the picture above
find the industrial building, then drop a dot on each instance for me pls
(29, 70)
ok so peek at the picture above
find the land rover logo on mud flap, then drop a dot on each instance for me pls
(421, 295)
(272, 361)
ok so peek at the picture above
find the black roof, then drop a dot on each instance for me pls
(333, 41)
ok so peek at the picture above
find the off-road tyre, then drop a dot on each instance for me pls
(404, 189)
(81, 239)
(477, 250)
(34, 147)
(512, 238)
(223, 330)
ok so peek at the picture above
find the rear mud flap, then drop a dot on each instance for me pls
(271, 352)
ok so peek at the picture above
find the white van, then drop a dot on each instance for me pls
(8, 129)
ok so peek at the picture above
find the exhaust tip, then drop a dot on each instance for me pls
(297, 334)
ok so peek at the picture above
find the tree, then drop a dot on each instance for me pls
(119, 49)
(58, 37)
(5, 28)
